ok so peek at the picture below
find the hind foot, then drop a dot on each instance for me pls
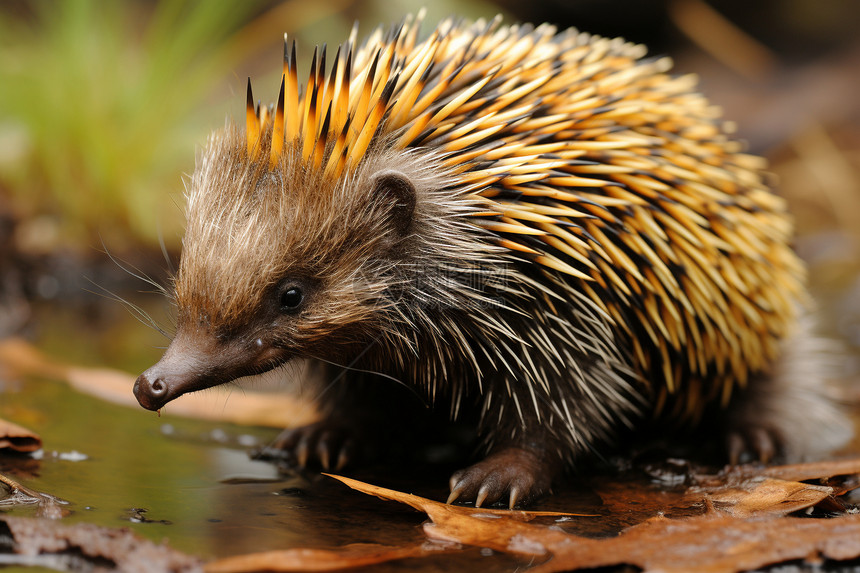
(752, 442)
(517, 474)
(792, 411)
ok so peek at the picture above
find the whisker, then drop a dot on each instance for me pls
(164, 252)
(134, 309)
(137, 273)
(372, 372)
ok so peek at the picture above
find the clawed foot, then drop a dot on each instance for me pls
(753, 442)
(320, 444)
(515, 473)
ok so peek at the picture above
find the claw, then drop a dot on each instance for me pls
(346, 454)
(751, 442)
(482, 495)
(342, 460)
(456, 490)
(302, 453)
(762, 443)
(323, 454)
(515, 497)
(735, 445)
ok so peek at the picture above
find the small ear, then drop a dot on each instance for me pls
(395, 192)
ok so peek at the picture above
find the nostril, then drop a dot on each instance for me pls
(147, 386)
(158, 387)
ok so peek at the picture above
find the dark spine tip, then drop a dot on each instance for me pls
(348, 69)
(314, 60)
(327, 120)
(322, 60)
(336, 60)
(280, 108)
(293, 67)
(374, 65)
(388, 90)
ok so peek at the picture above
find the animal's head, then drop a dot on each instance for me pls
(284, 262)
(311, 234)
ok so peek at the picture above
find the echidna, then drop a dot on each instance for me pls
(544, 226)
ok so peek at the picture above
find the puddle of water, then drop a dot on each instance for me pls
(189, 482)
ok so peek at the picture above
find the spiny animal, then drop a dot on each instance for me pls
(546, 227)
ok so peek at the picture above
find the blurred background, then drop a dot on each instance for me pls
(104, 104)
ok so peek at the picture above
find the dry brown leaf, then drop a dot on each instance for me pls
(348, 556)
(712, 543)
(500, 529)
(18, 439)
(277, 410)
(745, 491)
(814, 470)
(767, 496)
(427, 505)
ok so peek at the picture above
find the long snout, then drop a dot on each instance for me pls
(164, 382)
(191, 363)
(185, 367)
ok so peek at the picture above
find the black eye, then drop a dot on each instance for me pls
(291, 298)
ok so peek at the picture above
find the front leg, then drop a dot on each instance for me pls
(328, 444)
(524, 449)
(516, 473)
(535, 427)
(358, 422)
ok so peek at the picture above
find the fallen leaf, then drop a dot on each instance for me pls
(766, 496)
(711, 544)
(127, 551)
(499, 529)
(778, 490)
(426, 505)
(18, 439)
(273, 409)
(751, 535)
(814, 470)
(348, 556)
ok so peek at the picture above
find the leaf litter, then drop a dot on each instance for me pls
(742, 525)
(18, 439)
